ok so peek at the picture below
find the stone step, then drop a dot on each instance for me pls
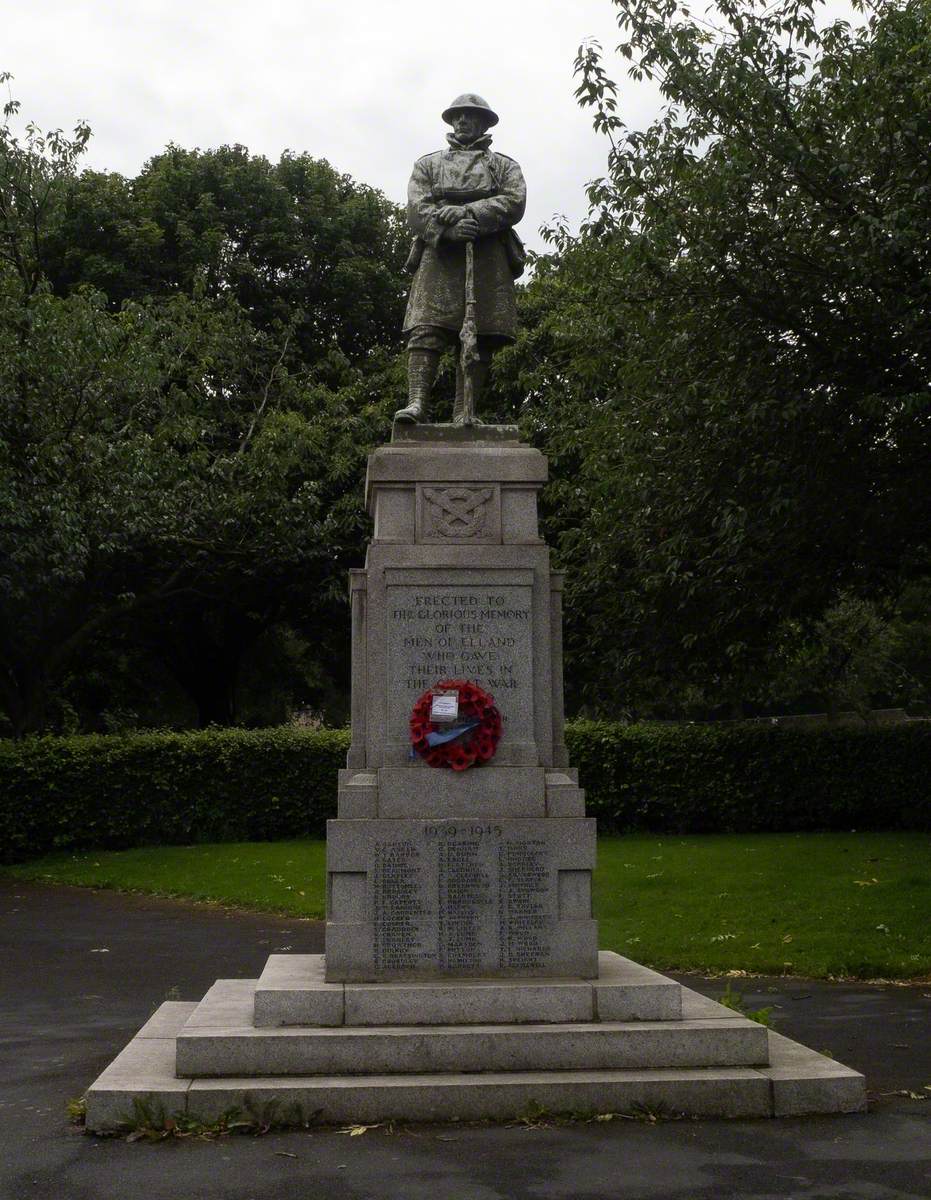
(220, 1039)
(292, 991)
(798, 1081)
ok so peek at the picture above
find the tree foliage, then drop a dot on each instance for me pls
(732, 361)
(181, 455)
(296, 244)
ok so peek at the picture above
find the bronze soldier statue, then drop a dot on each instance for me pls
(465, 196)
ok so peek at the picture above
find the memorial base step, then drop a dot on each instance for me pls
(292, 991)
(220, 1039)
(796, 1082)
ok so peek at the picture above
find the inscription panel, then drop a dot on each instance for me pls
(466, 897)
(437, 631)
(452, 898)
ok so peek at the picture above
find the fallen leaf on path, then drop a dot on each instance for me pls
(357, 1130)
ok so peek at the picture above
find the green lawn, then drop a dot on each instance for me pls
(287, 877)
(830, 904)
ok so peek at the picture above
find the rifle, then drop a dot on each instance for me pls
(468, 336)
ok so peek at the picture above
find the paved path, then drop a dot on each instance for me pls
(80, 971)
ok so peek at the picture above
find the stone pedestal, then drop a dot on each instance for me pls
(457, 582)
(434, 873)
(462, 977)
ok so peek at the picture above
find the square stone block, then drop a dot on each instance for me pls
(292, 991)
(488, 791)
(358, 794)
(627, 991)
(501, 898)
(564, 798)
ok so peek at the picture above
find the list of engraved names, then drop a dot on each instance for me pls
(462, 897)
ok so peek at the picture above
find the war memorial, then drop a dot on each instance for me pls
(462, 976)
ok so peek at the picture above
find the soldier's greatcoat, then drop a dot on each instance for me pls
(493, 188)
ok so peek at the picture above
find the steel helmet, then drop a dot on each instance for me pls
(470, 100)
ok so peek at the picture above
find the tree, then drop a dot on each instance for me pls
(859, 650)
(295, 243)
(740, 334)
(32, 170)
(172, 467)
(310, 259)
(133, 488)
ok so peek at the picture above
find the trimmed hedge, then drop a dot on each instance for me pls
(114, 791)
(252, 785)
(753, 778)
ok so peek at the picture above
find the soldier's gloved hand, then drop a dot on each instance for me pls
(465, 230)
(449, 214)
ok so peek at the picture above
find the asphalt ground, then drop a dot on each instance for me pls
(80, 971)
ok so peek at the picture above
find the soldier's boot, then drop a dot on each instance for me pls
(422, 366)
(479, 375)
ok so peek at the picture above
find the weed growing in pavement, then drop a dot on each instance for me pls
(536, 1116)
(735, 1002)
(153, 1122)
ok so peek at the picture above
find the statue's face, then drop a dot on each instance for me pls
(468, 124)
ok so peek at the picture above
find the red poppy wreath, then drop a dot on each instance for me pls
(473, 739)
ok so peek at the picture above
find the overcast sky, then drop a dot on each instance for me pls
(361, 83)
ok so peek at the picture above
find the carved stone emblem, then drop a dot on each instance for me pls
(459, 513)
